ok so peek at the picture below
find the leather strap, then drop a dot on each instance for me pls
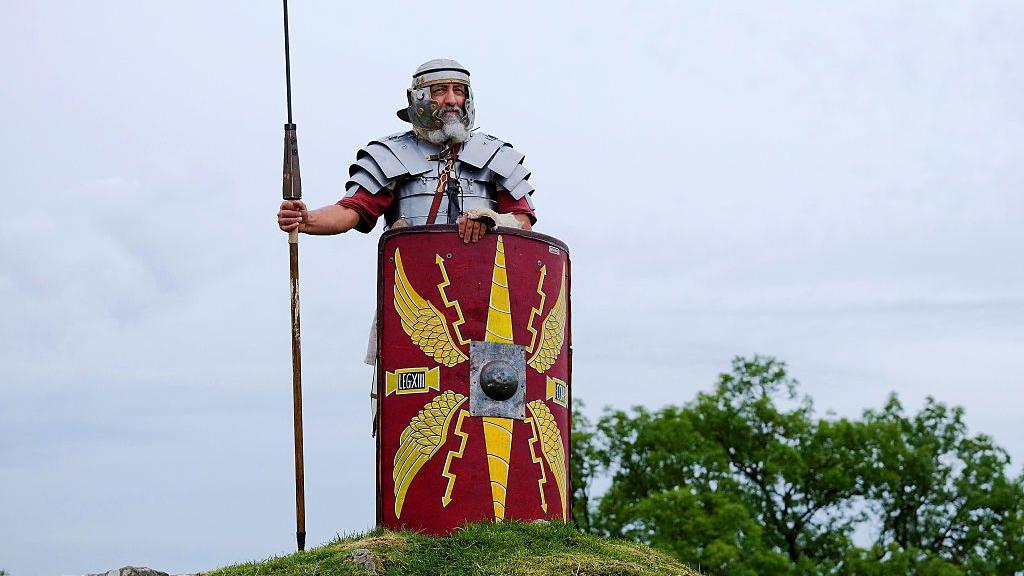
(442, 184)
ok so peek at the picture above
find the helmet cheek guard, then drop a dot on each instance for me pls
(470, 109)
(422, 110)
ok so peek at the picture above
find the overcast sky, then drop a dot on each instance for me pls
(839, 186)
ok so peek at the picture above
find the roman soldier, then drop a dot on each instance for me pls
(481, 179)
(471, 341)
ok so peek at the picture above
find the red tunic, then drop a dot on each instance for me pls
(372, 206)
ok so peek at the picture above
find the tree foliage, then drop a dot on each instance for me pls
(746, 480)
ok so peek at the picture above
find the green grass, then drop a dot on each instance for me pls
(506, 549)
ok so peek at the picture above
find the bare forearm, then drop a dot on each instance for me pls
(331, 219)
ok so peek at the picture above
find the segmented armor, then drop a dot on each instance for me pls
(410, 168)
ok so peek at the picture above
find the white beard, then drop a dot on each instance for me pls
(453, 130)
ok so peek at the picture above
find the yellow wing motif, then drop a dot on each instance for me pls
(551, 446)
(552, 333)
(424, 324)
(420, 440)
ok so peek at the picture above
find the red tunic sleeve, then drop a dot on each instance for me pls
(509, 205)
(370, 207)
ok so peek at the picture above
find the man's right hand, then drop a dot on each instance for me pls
(293, 216)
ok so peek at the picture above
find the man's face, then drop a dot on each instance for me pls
(450, 97)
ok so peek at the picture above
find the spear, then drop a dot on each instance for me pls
(292, 190)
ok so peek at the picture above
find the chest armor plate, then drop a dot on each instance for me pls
(414, 195)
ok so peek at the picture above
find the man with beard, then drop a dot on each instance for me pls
(438, 172)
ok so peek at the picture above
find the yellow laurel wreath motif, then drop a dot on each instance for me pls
(424, 324)
(421, 439)
(552, 333)
(551, 446)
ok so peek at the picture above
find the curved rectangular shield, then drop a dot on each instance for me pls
(474, 378)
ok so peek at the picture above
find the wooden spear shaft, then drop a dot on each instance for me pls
(292, 190)
(300, 493)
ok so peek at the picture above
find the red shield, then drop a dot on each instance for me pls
(474, 379)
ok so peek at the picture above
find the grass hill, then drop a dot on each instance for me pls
(505, 549)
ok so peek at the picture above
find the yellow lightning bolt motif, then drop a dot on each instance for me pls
(536, 460)
(450, 303)
(537, 311)
(453, 454)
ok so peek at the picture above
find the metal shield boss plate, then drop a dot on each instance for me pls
(474, 379)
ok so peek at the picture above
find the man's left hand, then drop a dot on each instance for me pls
(471, 230)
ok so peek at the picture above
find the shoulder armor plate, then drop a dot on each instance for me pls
(366, 163)
(519, 174)
(505, 160)
(388, 162)
(403, 146)
(529, 200)
(479, 149)
(385, 160)
(522, 189)
(502, 161)
(363, 178)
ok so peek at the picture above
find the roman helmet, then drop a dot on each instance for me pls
(422, 110)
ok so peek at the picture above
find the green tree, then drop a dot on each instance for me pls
(746, 480)
(672, 489)
(583, 466)
(941, 497)
(732, 481)
(798, 475)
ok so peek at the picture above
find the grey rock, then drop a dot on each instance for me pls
(132, 571)
(365, 560)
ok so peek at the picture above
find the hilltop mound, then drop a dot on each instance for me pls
(506, 549)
